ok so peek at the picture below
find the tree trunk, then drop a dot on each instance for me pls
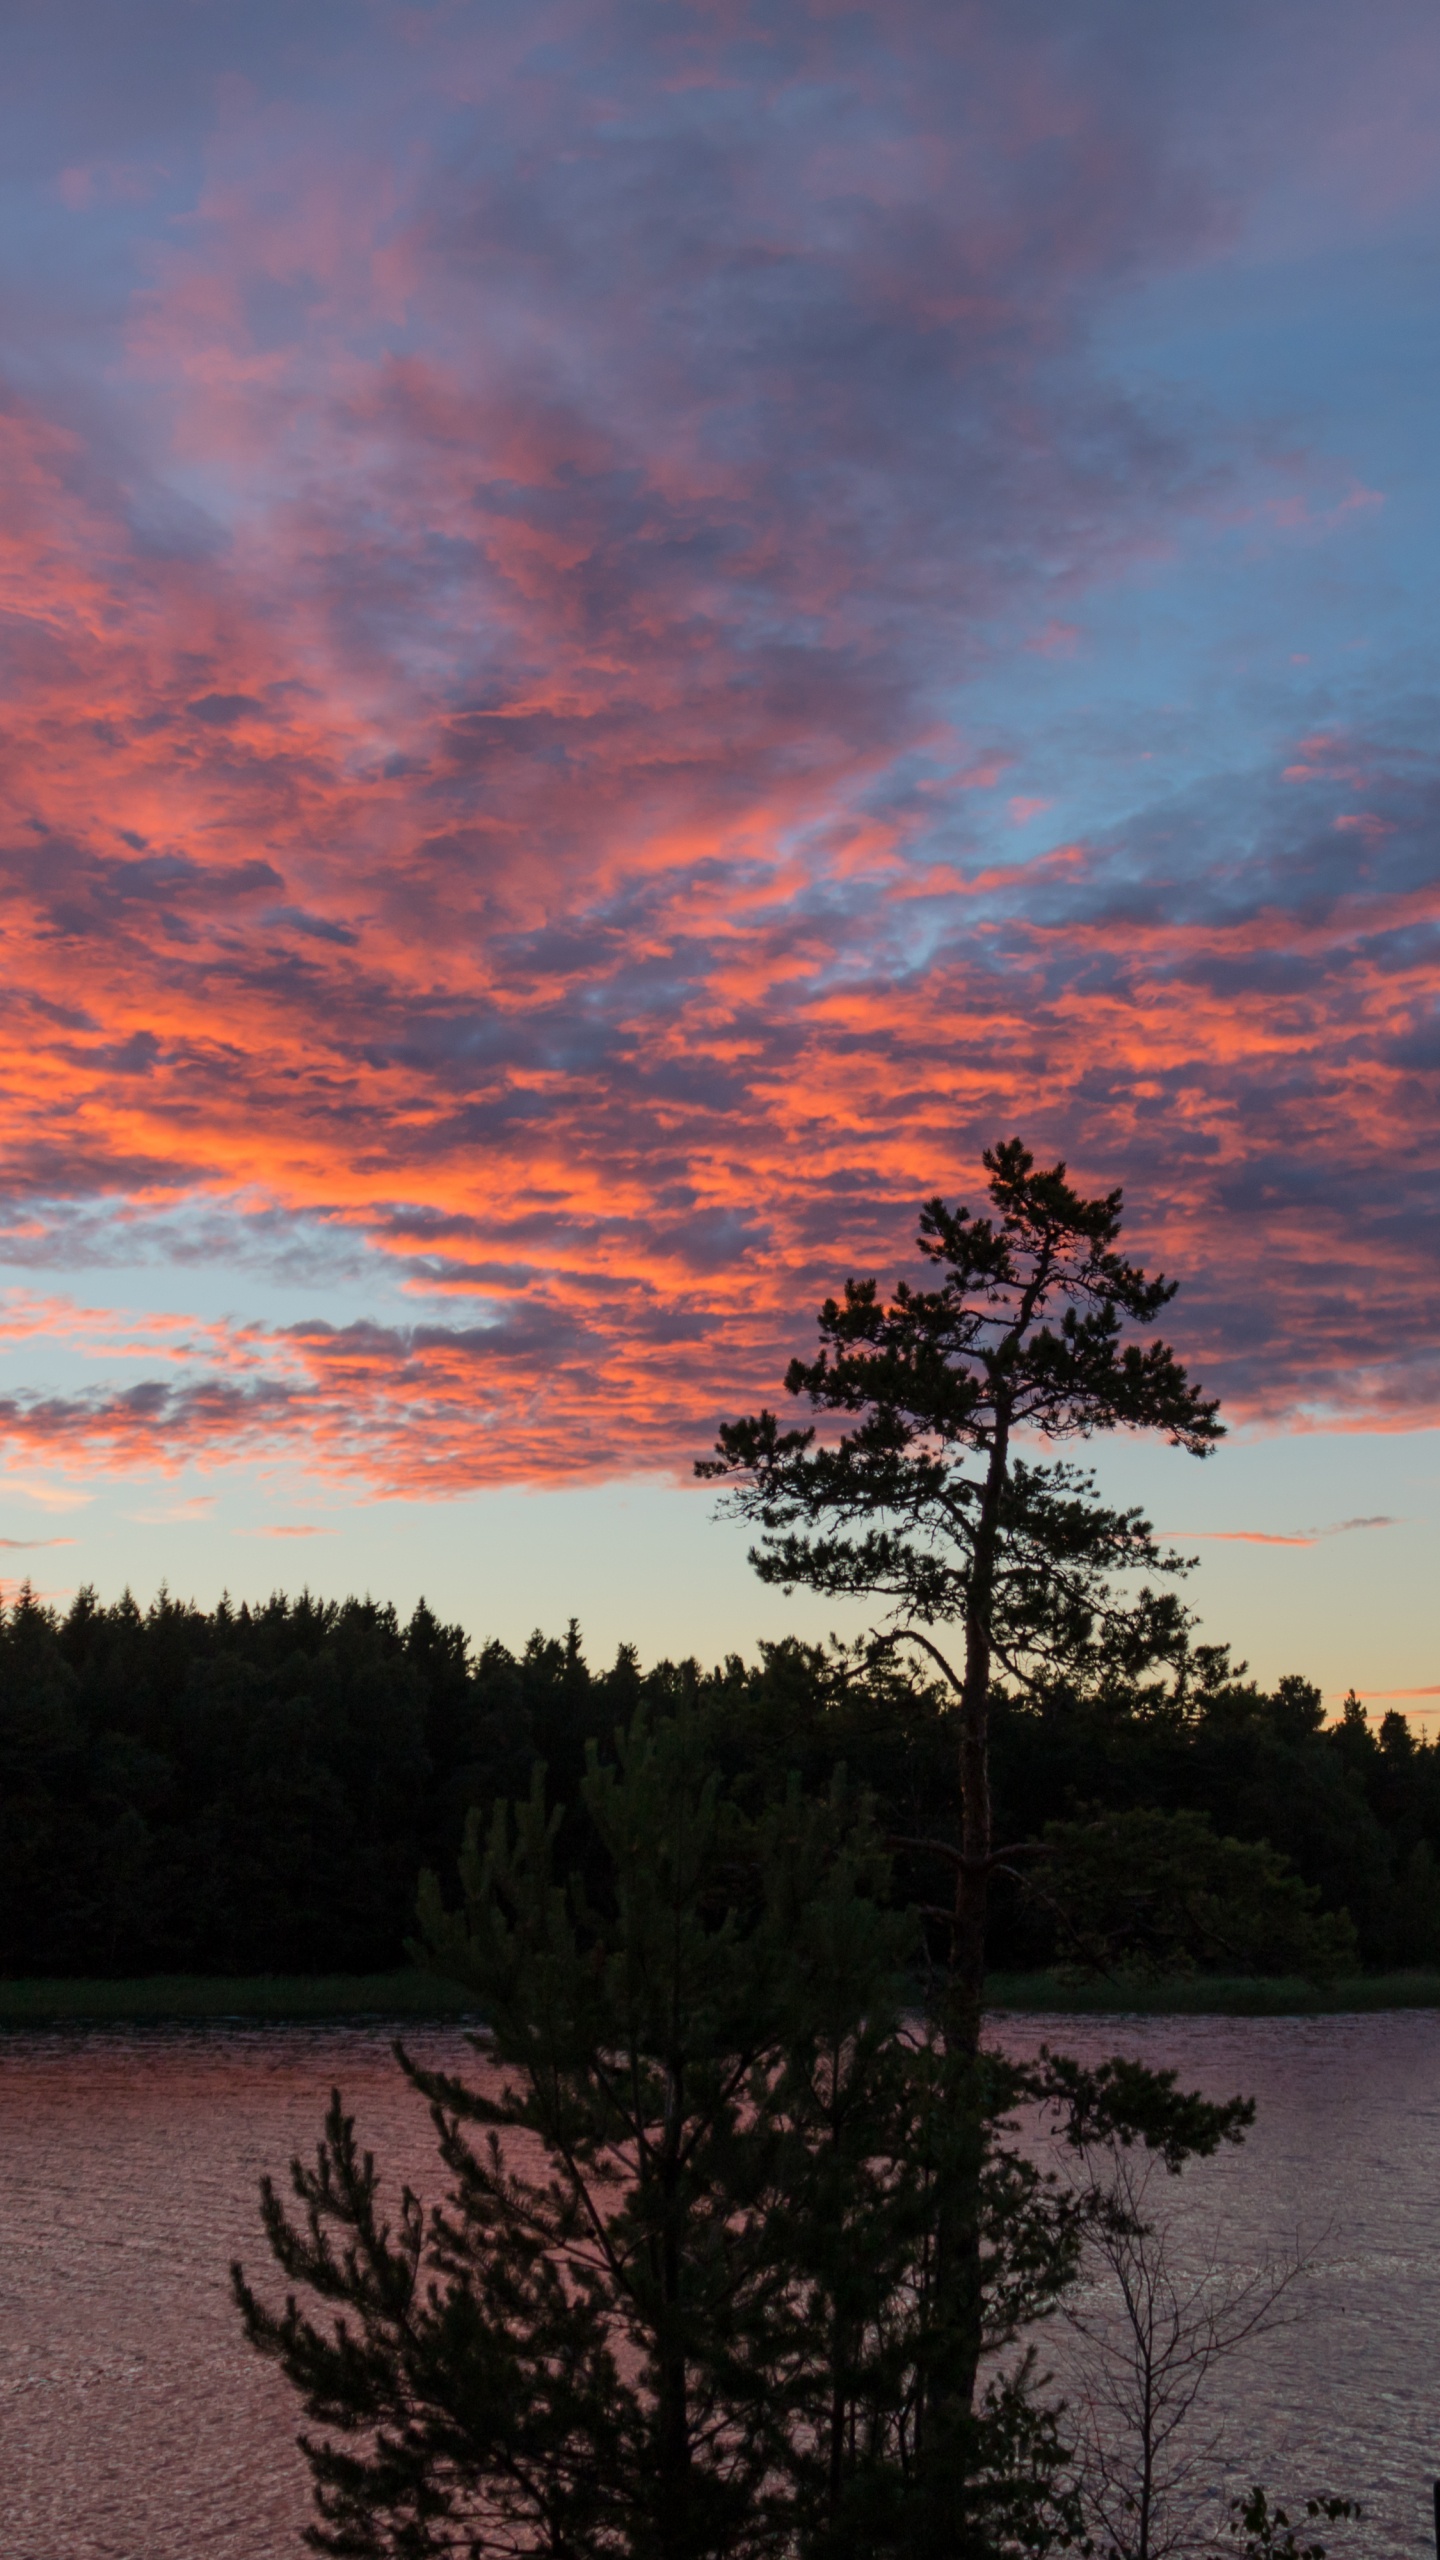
(972, 1882)
(959, 2272)
(673, 2486)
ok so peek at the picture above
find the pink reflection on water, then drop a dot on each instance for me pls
(136, 2425)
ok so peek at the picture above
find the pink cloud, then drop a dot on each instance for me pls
(1055, 640)
(1277, 1538)
(1245, 1537)
(505, 805)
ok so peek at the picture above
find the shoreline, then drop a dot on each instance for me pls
(220, 1999)
(278, 1999)
(1197, 1996)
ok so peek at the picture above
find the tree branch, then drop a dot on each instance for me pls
(912, 1635)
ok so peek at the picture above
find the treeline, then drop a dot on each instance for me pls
(256, 1790)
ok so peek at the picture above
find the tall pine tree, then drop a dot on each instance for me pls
(923, 1499)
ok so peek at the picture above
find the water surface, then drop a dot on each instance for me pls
(136, 2425)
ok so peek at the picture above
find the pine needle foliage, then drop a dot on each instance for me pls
(920, 1494)
(668, 2222)
(684, 2295)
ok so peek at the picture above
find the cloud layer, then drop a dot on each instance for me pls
(543, 555)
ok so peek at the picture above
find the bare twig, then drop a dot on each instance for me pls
(1154, 2329)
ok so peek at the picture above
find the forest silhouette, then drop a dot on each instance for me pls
(245, 1790)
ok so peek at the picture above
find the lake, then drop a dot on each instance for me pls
(136, 2425)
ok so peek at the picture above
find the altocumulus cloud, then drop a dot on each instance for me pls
(497, 776)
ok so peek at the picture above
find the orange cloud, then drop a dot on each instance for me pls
(483, 802)
(1244, 1537)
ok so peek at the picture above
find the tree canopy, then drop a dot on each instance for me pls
(923, 1499)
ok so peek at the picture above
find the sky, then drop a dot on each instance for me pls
(629, 630)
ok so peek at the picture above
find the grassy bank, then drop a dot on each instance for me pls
(407, 1994)
(1214, 1996)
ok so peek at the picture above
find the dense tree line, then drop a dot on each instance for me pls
(1356, 1809)
(245, 1790)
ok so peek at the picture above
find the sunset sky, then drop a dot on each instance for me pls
(627, 631)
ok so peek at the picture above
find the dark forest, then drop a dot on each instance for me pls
(257, 1790)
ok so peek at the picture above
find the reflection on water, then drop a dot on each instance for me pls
(1343, 2156)
(135, 2425)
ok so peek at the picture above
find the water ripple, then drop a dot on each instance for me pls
(136, 2425)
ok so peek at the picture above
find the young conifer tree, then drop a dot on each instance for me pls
(648, 2312)
(676, 2302)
